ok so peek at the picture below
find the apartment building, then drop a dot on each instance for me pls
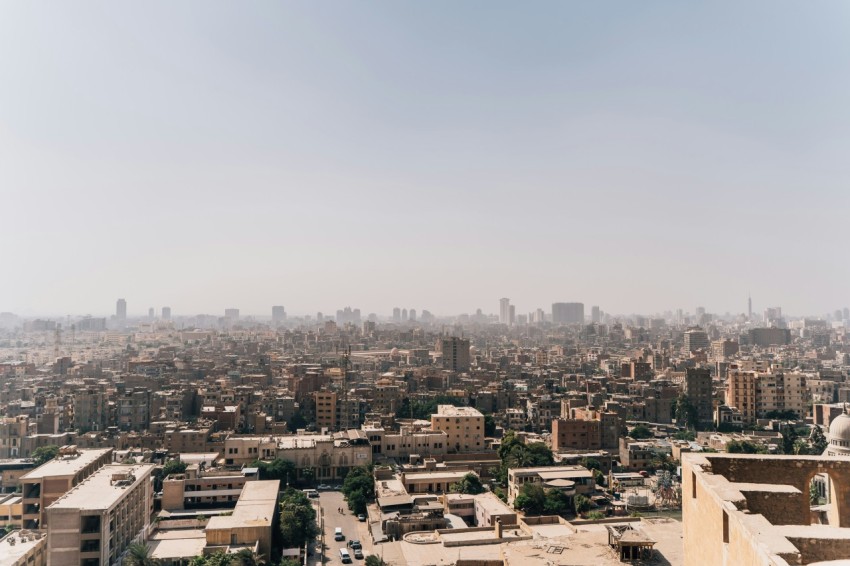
(199, 488)
(755, 394)
(406, 442)
(464, 427)
(697, 387)
(47, 483)
(95, 522)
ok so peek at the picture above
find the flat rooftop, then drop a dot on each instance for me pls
(66, 465)
(255, 508)
(11, 553)
(98, 491)
(177, 543)
(452, 411)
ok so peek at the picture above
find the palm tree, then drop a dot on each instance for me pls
(249, 557)
(139, 554)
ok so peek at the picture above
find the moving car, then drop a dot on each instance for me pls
(338, 534)
(358, 553)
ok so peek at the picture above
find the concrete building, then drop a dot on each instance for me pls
(405, 443)
(567, 313)
(698, 390)
(464, 427)
(572, 480)
(23, 548)
(455, 353)
(576, 434)
(252, 522)
(47, 483)
(765, 337)
(696, 339)
(121, 310)
(755, 393)
(200, 488)
(95, 522)
(504, 311)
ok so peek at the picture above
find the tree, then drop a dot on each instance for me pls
(470, 484)
(581, 504)
(685, 435)
(173, 467)
(489, 425)
(556, 502)
(44, 454)
(686, 413)
(138, 554)
(297, 519)
(357, 502)
(744, 447)
(818, 440)
(289, 562)
(277, 469)
(249, 557)
(295, 422)
(591, 463)
(373, 560)
(360, 479)
(640, 432)
(789, 439)
(531, 499)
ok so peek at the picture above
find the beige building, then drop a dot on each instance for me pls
(23, 548)
(11, 510)
(755, 393)
(572, 480)
(406, 442)
(47, 483)
(252, 523)
(95, 522)
(197, 488)
(464, 427)
(328, 457)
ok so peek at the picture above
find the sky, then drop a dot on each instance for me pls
(639, 156)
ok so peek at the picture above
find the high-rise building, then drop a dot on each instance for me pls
(696, 339)
(698, 390)
(749, 308)
(412, 315)
(464, 427)
(166, 313)
(567, 313)
(278, 314)
(455, 353)
(396, 314)
(773, 316)
(404, 315)
(121, 310)
(595, 315)
(150, 313)
(231, 314)
(512, 315)
(504, 311)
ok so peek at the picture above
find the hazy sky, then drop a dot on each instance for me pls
(641, 156)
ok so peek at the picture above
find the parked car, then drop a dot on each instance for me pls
(338, 534)
(358, 553)
(355, 544)
(361, 517)
(344, 556)
(323, 487)
(336, 487)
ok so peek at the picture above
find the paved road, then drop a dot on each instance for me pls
(330, 502)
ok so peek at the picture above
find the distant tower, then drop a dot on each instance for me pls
(412, 315)
(595, 316)
(404, 315)
(231, 314)
(166, 313)
(150, 313)
(278, 314)
(396, 314)
(504, 311)
(512, 315)
(121, 310)
(750, 307)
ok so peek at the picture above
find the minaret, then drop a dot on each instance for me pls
(750, 307)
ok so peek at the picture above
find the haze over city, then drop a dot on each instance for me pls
(644, 157)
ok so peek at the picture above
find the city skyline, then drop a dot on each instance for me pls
(637, 156)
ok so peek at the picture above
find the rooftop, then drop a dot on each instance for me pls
(66, 465)
(102, 490)
(256, 507)
(11, 553)
(452, 411)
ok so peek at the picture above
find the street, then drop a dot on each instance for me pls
(331, 502)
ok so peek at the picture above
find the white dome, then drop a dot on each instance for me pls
(839, 436)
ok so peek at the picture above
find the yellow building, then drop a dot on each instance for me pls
(464, 427)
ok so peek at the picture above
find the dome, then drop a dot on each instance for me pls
(839, 436)
(473, 351)
(394, 352)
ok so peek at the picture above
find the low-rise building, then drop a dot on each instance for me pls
(572, 480)
(252, 522)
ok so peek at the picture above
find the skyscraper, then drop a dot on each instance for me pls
(231, 314)
(567, 313)
(278, 314)
(412, 315)
(150, 313)
(121, 310)
(504, 311)
(595, 315)
(512, 315)
(166, 313)
(396, 314)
